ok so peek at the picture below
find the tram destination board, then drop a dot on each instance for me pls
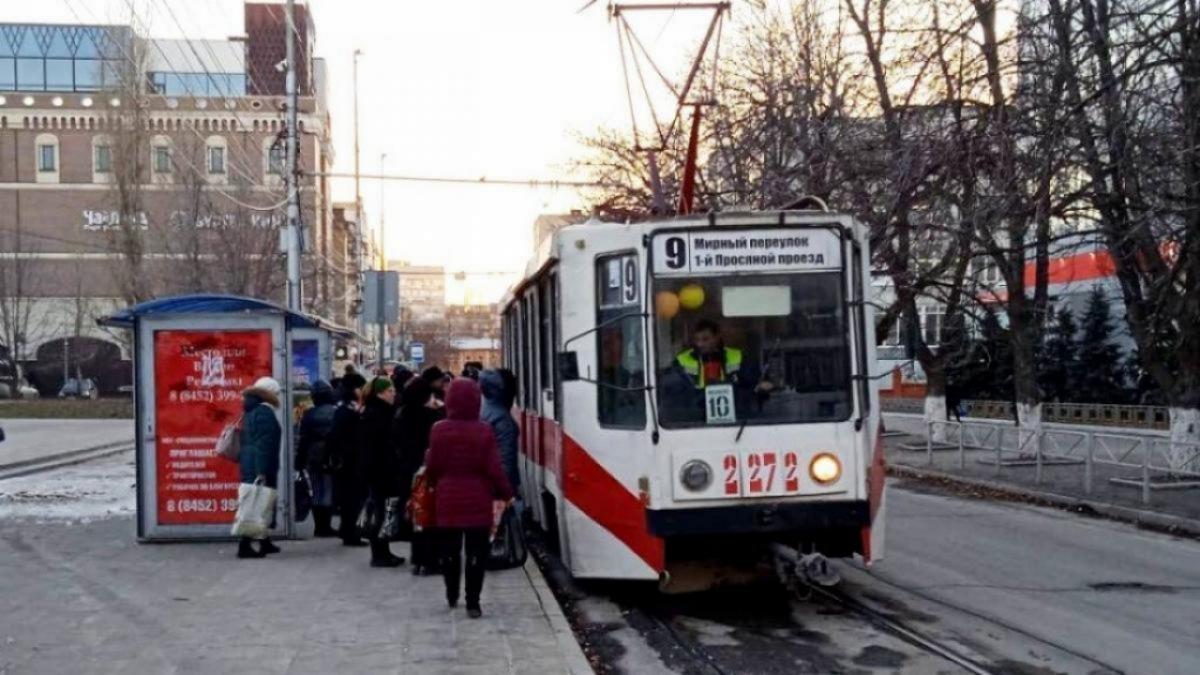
(695, 252)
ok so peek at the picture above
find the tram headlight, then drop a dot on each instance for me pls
(825, 468)
(696, 475)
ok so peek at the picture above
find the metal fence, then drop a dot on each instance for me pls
(1159, 461)
(1091, 414)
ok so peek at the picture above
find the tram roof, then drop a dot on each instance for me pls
(547, 253)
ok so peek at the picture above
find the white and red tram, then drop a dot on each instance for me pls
(695, 389)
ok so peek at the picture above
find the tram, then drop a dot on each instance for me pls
(696, 391)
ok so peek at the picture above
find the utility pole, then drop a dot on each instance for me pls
(358, 192)
(292, 234)
(358, 211)
(382, 269)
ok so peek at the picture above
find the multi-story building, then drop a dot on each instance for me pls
(481, 350)
(133, 167)
(422, 292)
(474, 321)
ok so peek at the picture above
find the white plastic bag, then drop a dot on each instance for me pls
(256, 505)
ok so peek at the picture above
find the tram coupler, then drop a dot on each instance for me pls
(811, 569)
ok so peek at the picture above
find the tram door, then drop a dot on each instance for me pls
(530, 423)
(547, 430)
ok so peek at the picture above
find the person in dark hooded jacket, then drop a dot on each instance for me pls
(419, 411)
(400, 379)
(381, 462)
(312, 452)
(349, 489)
(497, 406)
(436, 377)
(258, 459)
(464, 471)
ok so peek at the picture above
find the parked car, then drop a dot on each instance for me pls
(79, 388)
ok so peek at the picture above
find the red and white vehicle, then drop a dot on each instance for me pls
(693, 390)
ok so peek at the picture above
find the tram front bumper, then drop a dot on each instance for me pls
(758, 518)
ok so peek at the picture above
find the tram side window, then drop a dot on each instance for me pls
(620, 344)
(526, 353)
(544, 337)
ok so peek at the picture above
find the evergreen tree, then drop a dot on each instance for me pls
(1100, 374)
(1057, 358)
(987, 370)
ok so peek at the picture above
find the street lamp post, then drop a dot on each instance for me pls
(382, 268)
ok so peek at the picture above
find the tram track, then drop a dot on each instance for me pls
(899, 629)
(759, 629)
(57, 461)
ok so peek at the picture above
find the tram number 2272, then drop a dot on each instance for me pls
(765, 473)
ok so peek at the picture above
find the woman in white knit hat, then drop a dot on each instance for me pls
(259, 456)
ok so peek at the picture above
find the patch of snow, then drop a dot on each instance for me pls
(639, 656)
(711, 633)
(101, 488)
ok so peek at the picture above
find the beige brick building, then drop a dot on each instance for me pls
(112, 193)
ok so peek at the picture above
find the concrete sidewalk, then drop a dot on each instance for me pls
(1060, 484)
(34, 440)
(88, 599)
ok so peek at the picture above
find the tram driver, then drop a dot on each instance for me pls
(707, 361)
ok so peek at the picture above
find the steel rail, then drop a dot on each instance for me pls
(900, 630)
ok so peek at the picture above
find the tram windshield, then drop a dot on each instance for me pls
(754, 349)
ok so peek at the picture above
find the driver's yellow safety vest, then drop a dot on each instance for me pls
(695, 370)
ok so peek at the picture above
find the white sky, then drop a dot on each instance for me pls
(446, 88)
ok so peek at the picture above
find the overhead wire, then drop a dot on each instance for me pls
(628, 89)
(482, 180)
(247, 162)
(637, 67)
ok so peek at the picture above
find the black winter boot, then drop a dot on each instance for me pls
(267, 548)
(246, 549)
(322, 519)
(381, 555)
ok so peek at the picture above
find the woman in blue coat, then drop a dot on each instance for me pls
(497, 411)
(259, 456)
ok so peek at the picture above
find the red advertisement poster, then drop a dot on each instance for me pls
(198, 379)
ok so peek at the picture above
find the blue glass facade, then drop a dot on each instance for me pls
(38, 57)
(198, 84)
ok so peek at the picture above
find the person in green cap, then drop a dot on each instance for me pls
(383, 471)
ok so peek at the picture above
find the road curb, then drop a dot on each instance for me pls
(572, 653)
(1149, 519)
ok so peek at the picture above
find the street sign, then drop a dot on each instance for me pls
(416, 352)
(385, 308)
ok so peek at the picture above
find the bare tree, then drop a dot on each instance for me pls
(128, 125)
(20, 282)
(1132, 80)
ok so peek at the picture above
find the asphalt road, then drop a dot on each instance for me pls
(1034, 587)
(1019, 589)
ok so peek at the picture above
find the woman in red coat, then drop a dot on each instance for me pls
(463, 467)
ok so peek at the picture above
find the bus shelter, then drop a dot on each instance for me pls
(193, 357)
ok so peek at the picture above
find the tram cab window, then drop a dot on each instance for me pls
(620, 358)
(759, 349)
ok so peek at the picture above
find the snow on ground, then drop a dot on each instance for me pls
(97, 489)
